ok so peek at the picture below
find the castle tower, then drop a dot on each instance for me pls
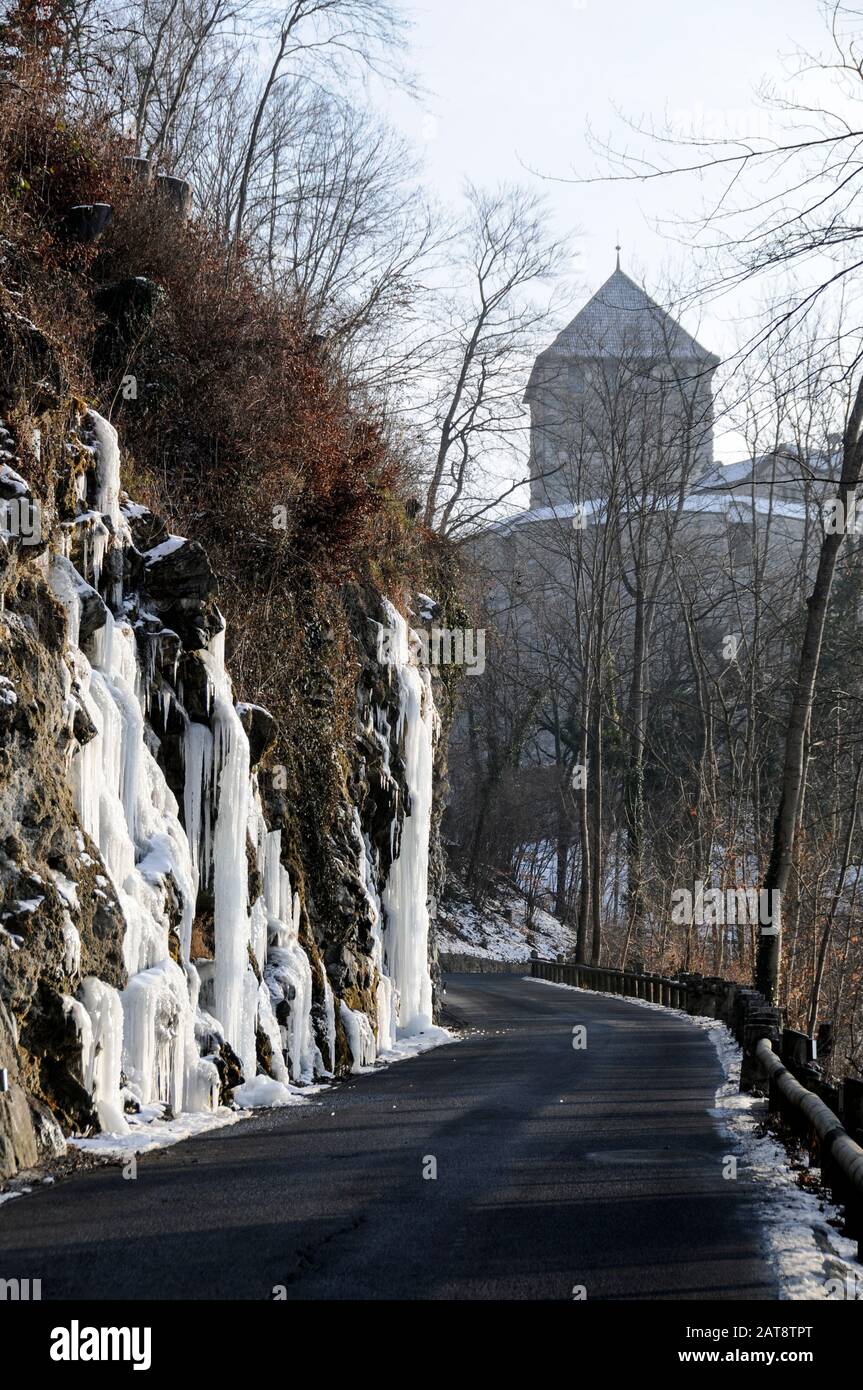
(622, 397)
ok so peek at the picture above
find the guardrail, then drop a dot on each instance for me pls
(456, 963)
(657, 989)
(825, 1116)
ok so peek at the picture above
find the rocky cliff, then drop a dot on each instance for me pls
(177, 933)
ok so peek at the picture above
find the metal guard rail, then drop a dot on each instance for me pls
(840, 1158)
(656, 989)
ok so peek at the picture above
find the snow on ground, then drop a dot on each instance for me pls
(18, 1192)
(265, 1092)
(500, 929)
(404, 1048)
(147, 1131)
(811, 1258)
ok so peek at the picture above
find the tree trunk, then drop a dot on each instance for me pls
(596, 835)
(824, 944)
(634, 785)
(562, 867)
(785, 824)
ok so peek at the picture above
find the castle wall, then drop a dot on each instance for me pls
(599, 426)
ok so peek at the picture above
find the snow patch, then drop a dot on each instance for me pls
(265, 1091)
(148, 1131)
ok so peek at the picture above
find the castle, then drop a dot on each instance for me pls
(622, 416)
(622, 382)
(638, 606)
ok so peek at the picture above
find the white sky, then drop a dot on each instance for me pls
(514, 84)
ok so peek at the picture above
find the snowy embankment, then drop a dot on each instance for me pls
(151, 1051)
(811, 1258)
(502, 929)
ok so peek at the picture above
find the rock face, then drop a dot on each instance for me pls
(177, 194)
(49, 869)
(162, 940)
(17, 1133)
(259, 726)
(128, 307)
(87, 221)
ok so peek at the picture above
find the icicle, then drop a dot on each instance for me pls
(330, 1026)
(405, 896)
(129, 812)
(102, 1052)
(386, 997)
(235, 998)
(361, 1039)
(159, 1054)
(72, 946)
(288, 972)
(198, 754)
(267, 1021)
(127, 808)
(107, 450)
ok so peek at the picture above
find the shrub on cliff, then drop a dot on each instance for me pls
(237, 416)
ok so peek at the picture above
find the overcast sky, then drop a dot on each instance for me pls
(514, 85)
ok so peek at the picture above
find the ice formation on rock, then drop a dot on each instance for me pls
(405, 896)
(144, 1044)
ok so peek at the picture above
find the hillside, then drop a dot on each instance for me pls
(222, 751)
(506, 927)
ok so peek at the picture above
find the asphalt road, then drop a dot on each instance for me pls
(556, 1168)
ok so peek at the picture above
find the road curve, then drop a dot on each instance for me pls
(557, 1169)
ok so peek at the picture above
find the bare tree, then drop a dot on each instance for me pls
(322, 41)
(801, 205)
(503, 253)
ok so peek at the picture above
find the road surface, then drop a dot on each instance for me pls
(557, 1170)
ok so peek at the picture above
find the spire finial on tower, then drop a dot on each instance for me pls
(617, 249)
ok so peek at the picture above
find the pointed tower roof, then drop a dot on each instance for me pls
(621, 319)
